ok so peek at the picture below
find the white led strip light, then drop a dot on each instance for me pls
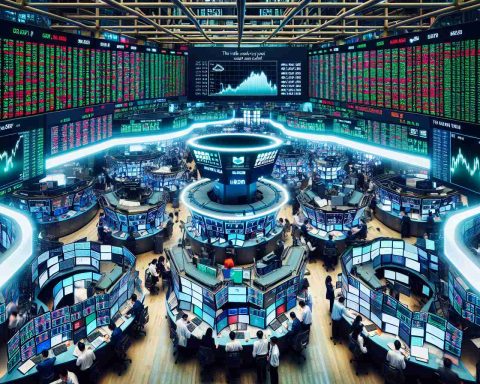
(455, 251)
(419, 161)
(23, 250)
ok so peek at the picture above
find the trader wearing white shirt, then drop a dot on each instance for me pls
(395, 357)
(306, 315)
(183, 333)
(260, 352)
(274, 359)
(233, 345)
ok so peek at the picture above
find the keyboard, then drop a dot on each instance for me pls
(94, 335)
(97, 342)
(59, 349)
(196, 321)
(116, 317)
(282, 318)
(240, 335)
(36, 359)
(370, 327)
(275, 324)
(191, 327)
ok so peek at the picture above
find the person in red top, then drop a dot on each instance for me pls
(228, 263)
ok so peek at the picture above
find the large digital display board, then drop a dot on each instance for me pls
(46, 71)
(432, 73)
(455, 149)
(247, 73)
(21, 152)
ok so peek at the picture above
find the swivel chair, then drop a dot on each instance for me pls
(299, 344)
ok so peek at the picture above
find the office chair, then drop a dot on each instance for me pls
(206, 359)
(120, 355)
(392, 375)
(138, 326)
(299, 344)
(330, 255)
(150, 284)
(358, 358)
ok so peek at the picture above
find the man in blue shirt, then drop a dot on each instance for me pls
(137, 306)
(294, 327)
(116, 335)
(338, 311)
(45, 368)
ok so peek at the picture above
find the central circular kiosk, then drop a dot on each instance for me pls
(233, 206)
(233, 215)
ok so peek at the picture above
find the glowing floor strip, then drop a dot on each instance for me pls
(419, 161)
(20, 255)
(458, 255)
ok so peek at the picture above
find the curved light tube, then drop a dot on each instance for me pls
(20, 255)
(455, 251)
(225, 217)
(56, 161)
(276, 143)
(419, 161)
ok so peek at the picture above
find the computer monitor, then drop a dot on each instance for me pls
(337, 201)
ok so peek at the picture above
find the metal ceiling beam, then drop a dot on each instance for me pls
(241, 10)
(233, 17)
(191, 17)
(367, 4)
(438, 12)
(261, 4)
(289, 18)
(54, 16)
(122, 7)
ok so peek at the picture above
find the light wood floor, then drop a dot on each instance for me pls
(152, 356)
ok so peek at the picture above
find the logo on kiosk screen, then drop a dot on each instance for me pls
(238, 160)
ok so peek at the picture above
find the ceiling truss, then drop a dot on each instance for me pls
(241, 21)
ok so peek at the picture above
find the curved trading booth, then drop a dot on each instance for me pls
(332, 214)
(407, 311)
(234, 208)
(131, 162)
(65, 275)
(292, 167)
(60, 206)
(144, 218)
(244, 299)
(416, 197)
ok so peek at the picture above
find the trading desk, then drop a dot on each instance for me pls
(145, 220)
(378, 346)
(68, 358)
(61, 211)
(395, 195)
(244, 254)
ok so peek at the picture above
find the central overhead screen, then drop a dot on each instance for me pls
(248, 73)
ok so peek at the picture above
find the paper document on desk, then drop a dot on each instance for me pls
(27, 366)
(420, 353)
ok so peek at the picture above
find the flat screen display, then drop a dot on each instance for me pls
(248, 73)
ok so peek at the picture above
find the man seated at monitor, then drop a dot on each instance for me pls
(137, 306)
(294, 326)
